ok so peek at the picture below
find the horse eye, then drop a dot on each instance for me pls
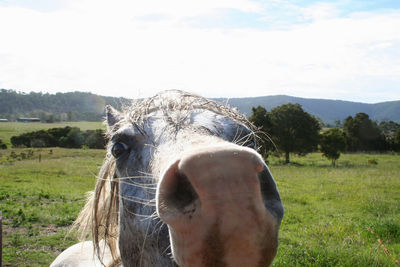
(118, 149)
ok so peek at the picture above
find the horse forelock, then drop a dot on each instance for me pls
(173, 101)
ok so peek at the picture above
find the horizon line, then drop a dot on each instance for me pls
(19, 91)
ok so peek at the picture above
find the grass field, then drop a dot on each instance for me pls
(9, 129)
(340, 216)
(40, 200)
(333, 216)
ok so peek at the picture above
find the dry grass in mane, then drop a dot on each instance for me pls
(174, 100)
(99, 218)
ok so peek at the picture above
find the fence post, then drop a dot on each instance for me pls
(1, 239)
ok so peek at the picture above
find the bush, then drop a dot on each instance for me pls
(2, 145)
(39, 138)
(69, 137)
(332, 143)
(95, 139)
(74, 139)
(57, 133)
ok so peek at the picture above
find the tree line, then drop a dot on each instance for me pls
(72, 106)
(289, 129)
(68, 137)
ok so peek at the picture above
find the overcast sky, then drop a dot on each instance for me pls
(346, 49)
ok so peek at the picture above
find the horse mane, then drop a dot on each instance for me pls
(100, 216)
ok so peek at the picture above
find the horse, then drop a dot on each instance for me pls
(182, 184)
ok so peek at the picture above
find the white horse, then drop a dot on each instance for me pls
(182, 184)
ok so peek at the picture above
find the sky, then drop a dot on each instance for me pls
(345, 49)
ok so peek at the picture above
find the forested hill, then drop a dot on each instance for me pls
(60, 106)
(90, 107)
(327, 110)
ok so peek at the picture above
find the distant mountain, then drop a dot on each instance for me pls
(88, 106)
(327, 110)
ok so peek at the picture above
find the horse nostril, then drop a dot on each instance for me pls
(183, 194)
(177, 191)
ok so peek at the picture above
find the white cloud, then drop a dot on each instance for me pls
(320, 11)
(111, 49)
(174, 10)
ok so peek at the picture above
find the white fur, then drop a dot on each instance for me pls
(81, 255)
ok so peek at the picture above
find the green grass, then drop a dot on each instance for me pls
(9, 129)
(329, 212)
(40, 200)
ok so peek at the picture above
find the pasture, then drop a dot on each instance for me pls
(343, 216)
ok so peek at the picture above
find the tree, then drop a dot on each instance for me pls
(396, 140)
(332, 143)
(261, 120)
(50, 118)
(338, 124)
(72, 116)
(290, 127)
(389, 126)
(294, 130)
(363, 134)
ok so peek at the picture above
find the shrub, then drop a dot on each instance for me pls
(69, 137)
(39, 138)
(332, 143)
(74, 139)
(95, 139)
(2, 145)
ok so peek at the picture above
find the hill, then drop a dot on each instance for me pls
(327, 110)
(90, 107)
(75, 106)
